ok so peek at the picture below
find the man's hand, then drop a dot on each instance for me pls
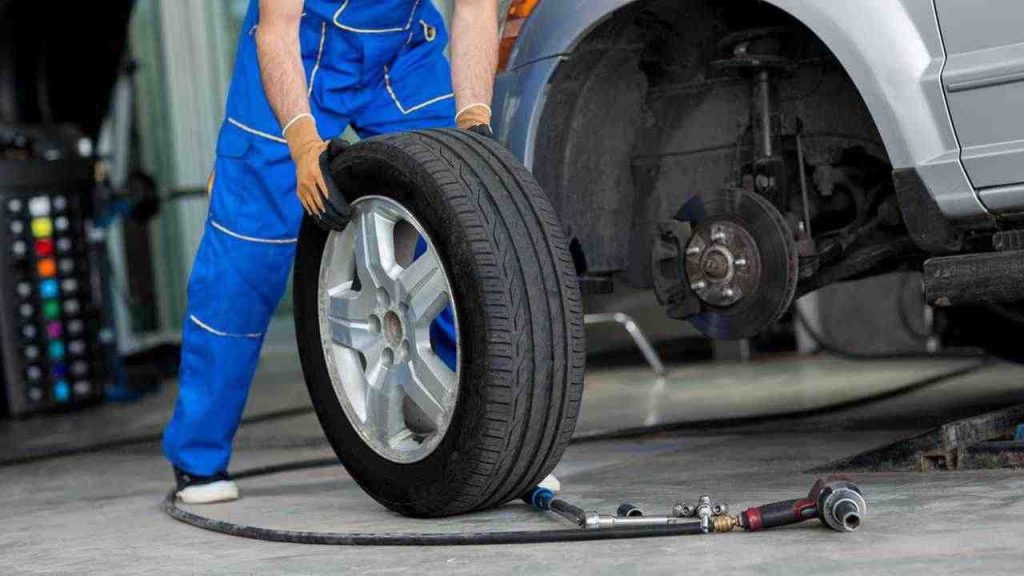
(483, 130)
(337, 211)
(306, 146)
(475, 118)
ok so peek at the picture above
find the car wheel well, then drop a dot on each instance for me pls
(637, 120)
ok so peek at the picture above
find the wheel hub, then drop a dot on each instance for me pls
(393, 330)
(722, 263)
(727, 262)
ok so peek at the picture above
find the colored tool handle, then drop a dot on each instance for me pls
(779, 514)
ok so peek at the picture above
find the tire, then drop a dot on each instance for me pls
(519, 321)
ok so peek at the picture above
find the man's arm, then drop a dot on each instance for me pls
(284, 83)
(474, 54)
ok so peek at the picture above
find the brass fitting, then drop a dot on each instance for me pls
(724, 523)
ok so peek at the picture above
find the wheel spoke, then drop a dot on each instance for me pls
(375, 249)
(383, 402)
(352, 334)
(402, 435)
(373, 356)
(340, 262)
(424, 286)
(418, 274)
(430, 385)
(349, 320)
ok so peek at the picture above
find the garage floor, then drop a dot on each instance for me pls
(98, 513)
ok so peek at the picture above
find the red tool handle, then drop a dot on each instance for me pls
(778, 514)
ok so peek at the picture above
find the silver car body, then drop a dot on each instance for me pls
(943, 80)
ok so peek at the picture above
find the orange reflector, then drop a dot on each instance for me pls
(518, 12)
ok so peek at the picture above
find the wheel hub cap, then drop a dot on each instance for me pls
(392, 329)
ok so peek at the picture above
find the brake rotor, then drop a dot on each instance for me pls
(741, 263)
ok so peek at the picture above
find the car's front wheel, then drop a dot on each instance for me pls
(441, 331)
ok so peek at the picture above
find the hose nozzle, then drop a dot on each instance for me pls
(841, 505)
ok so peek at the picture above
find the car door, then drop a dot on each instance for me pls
(984, 83)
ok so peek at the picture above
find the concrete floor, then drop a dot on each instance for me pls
(99, 513)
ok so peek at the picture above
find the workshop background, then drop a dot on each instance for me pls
(881, 398)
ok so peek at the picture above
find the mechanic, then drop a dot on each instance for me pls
(304, 69)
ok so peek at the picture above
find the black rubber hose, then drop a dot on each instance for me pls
(407, 538)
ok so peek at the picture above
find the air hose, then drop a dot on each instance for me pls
(836, 501)
(626, 531)
(407, 538)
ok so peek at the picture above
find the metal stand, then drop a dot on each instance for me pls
(627, 322)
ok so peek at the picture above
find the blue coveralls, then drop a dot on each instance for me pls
(378, 65)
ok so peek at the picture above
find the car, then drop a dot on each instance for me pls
(735, 155)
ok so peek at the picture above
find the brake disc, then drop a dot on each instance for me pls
(741, 263)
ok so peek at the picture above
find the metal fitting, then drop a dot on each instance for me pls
(682, 511)
(705, 510)
(841, 506)
(595, 521)
(724, 523)
(627, 510)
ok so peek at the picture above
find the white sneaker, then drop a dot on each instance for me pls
(212, 493)
(551, 483)
(205, 489)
